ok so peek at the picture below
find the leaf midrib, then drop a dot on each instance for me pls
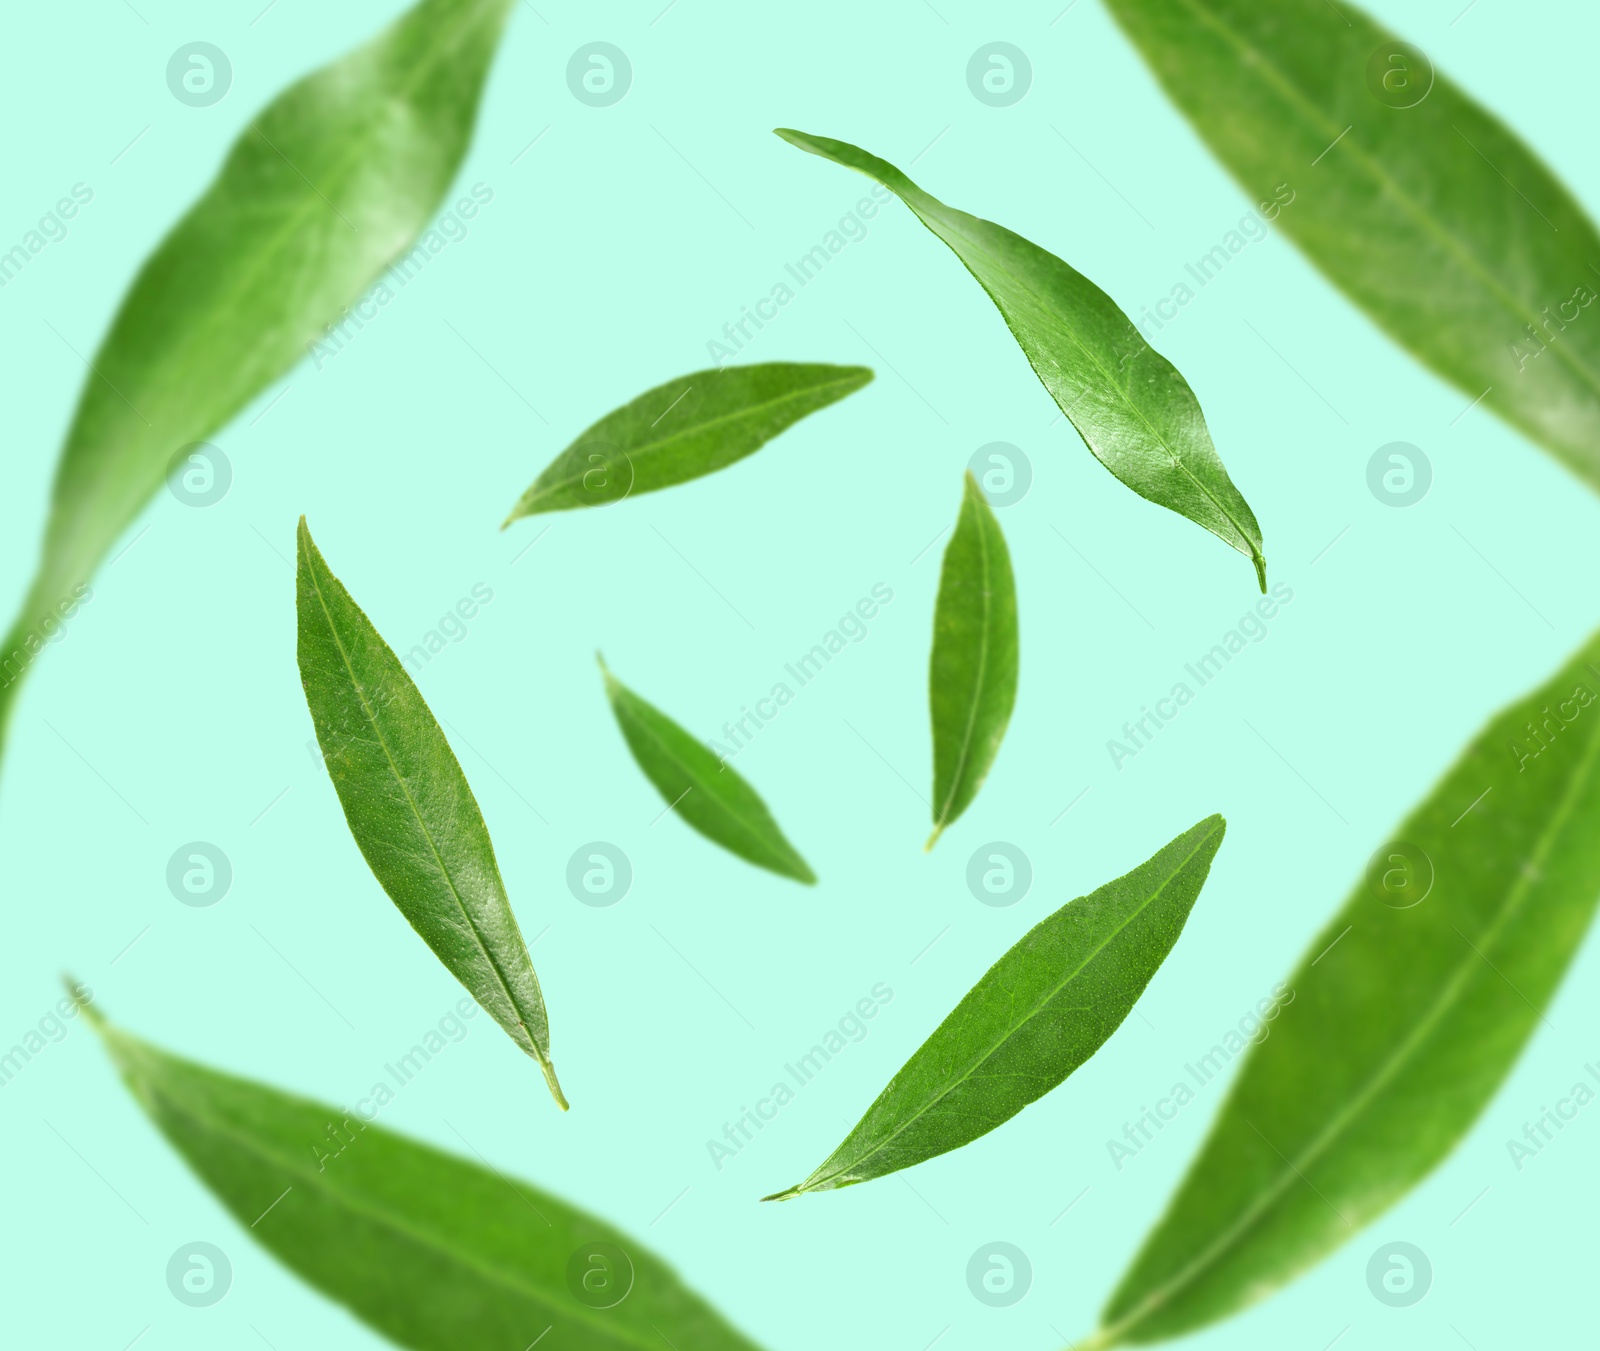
(965, 750)
(1255, 59)
(1388, 1069)
(650, 448)
(387, 1219)
(427, 833)
(879, 1146)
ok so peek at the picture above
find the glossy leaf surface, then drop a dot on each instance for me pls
(409, 805)
(704, 790)
(1408, 1011)
(972, 674)
(1036, 1015)
(1412, 198)
(330, 182)
(433, 1251)
(687, 427)
(1135, 412)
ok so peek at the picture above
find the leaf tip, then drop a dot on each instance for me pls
(83, 997)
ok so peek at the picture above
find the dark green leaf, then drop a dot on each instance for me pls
(1038, 1013)
(687, 427)
(331, 181)
(1407, 1012)
(972, 674)
(1134, 411)
(435, 1252)
(704, 790)
(1418, 203)
(409, 806)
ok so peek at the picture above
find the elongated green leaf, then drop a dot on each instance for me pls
(705, 791)
(1419, 204)
(331, 181)
(972, 674)
(434, 1252)
(409, 805)
(1038, 1013)
(1135, 412)
(687, 427)
(1408, 1010)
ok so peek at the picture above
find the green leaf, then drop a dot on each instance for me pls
(1408, 1011)
(409, 805)
(687, 427)
(1418, 203)
(1134, 411)
(434, 1252)
(330, 183)
(704, 790)
(1038, 1013)
(972, 674)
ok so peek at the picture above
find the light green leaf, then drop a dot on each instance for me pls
(409, 805)
(972, 674)
(330, 182)
(704, 790)
(687, 427)
(434, 1252)
(1417, 202)
(1408, 1010)
(1135, 412)
(1036, 1015)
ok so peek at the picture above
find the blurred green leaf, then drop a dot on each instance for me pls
(1416, 201)
(434, 1252)
(707, 792)
(1408, 1011)
(330, 183)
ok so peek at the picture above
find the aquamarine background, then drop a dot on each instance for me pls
(604, 264)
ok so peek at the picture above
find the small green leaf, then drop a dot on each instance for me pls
(330, 183)
(409, 805)
(705, 791)
(972, 674)
(1412, 198)
(687, 427)
(1038, 1013)
(433, 1251)
(1408, 1011)
(1135, 412)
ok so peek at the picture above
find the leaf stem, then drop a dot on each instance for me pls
(555, 1085)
